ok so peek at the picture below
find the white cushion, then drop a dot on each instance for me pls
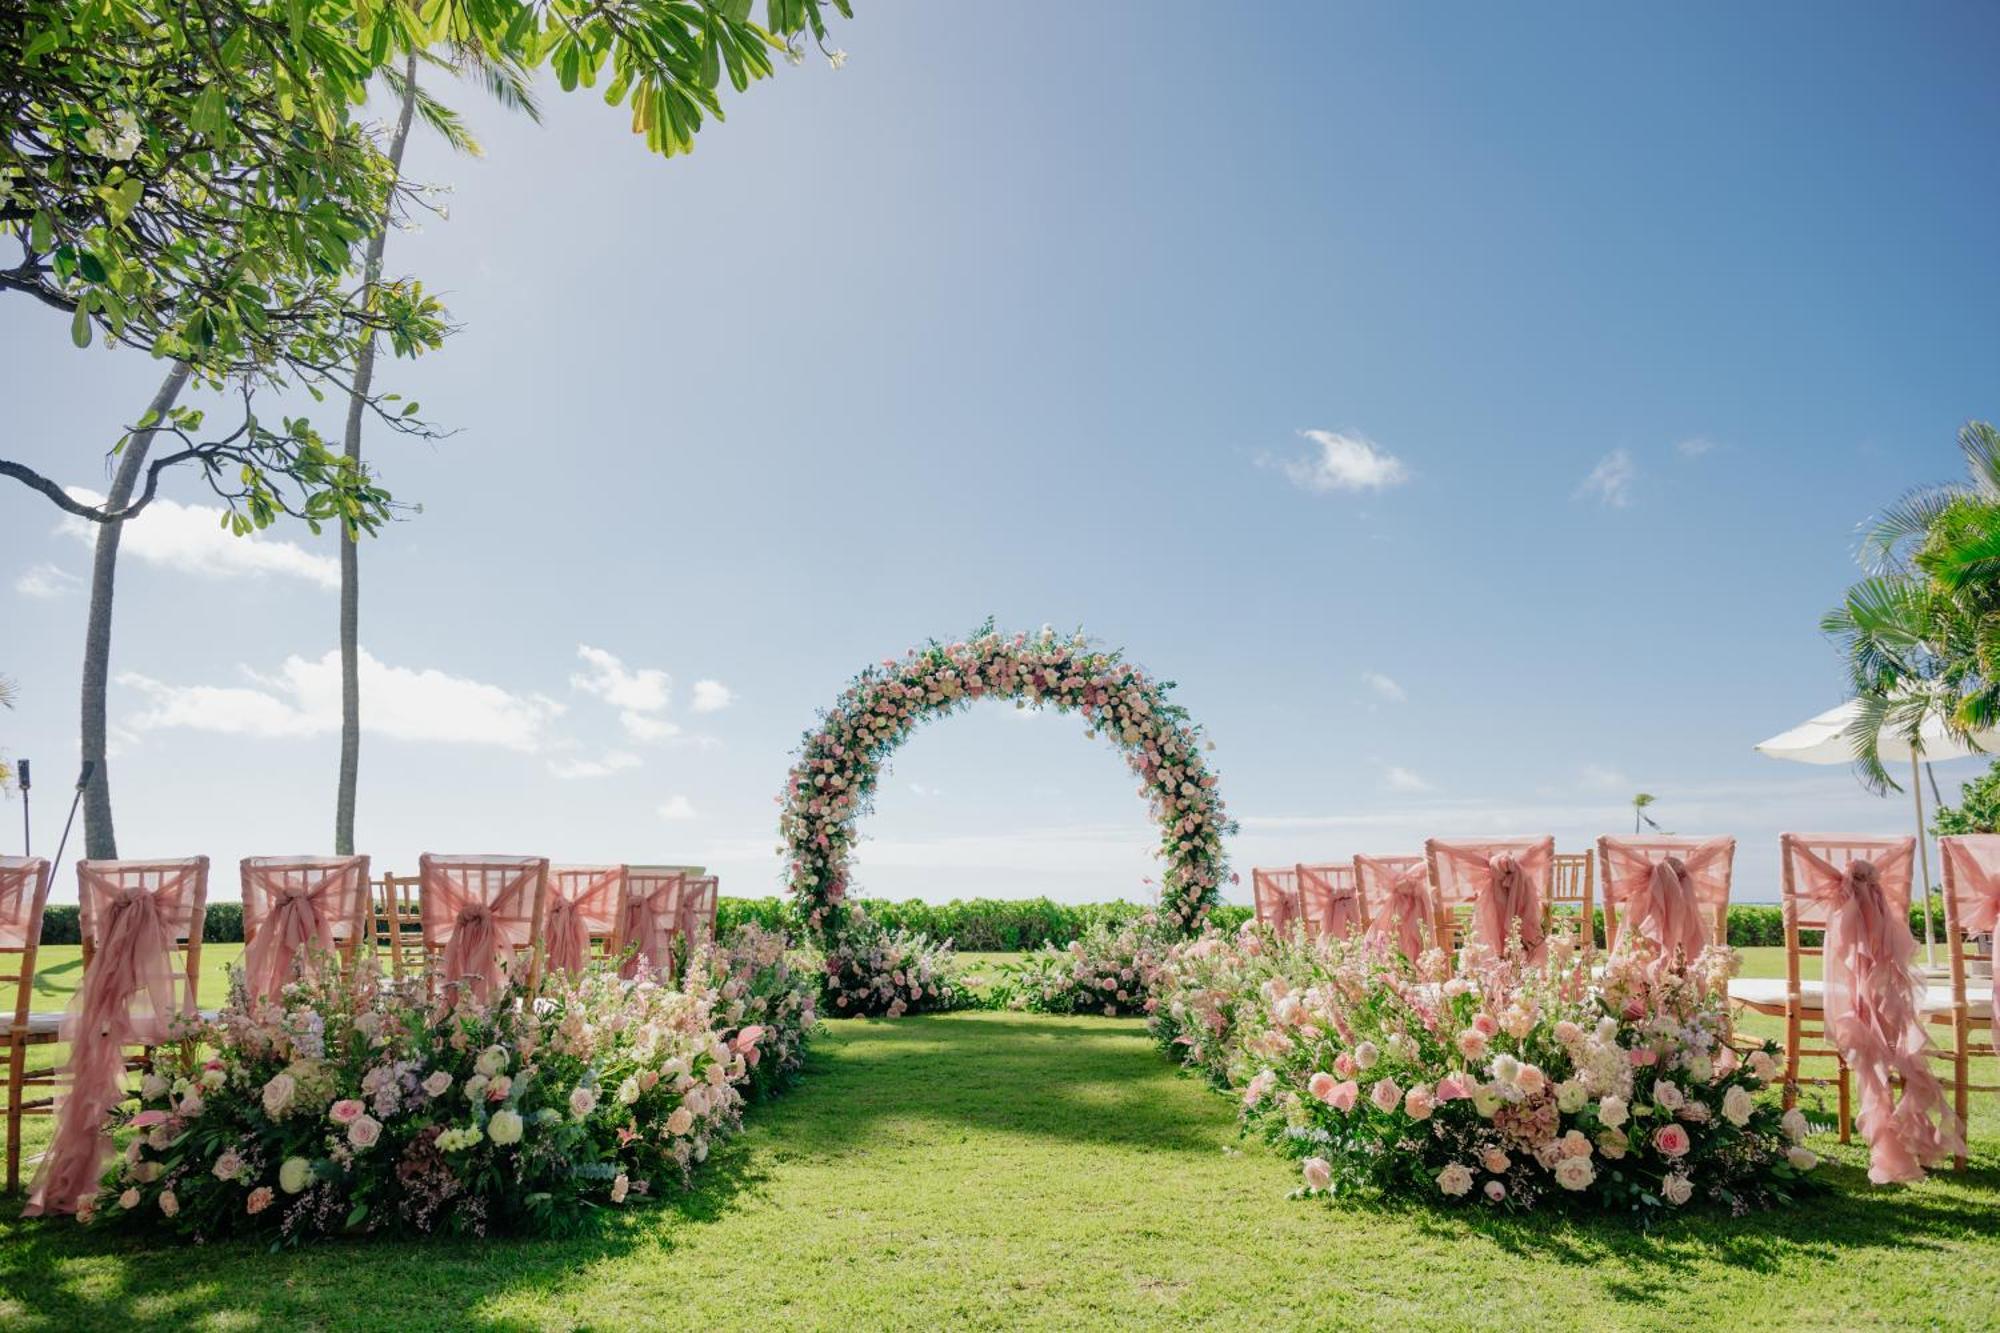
(1770, 991)
(37, 1024)
(1978, 998)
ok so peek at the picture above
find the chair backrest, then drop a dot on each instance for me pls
(1460, 870)
(1330, 903)
(398, 923)
(1971, 906)
(1710, 863)
(337, 887)
(1572, 899)
(180, 892)
(649, 915)
(509, 893)
(24, 893)
(1892, 858)
(1274, 894)
(583, 904)
(1375, 879)
(701, 897)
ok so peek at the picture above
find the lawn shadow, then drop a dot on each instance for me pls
(56, 1275)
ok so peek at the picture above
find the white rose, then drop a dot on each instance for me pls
(1570, 1096)
(1802, 1159)
(278, 1094)
(294, 1175)
(1794, 1125)
(491, 1061)
(1455, 1180)
(1575, 1173)
(628, 1091)
(1737, 1105)
(504, 1128)
(1678, 1189)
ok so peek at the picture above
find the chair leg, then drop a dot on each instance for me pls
(1846, 1105)
(17, 1070)
(1961, 1074)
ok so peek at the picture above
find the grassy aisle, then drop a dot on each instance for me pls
(1001, 1170)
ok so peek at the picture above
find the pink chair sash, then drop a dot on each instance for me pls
(1405, 894)
(1505, 883)
(481, 910)
(127, 996)
(652, 915)
(1872, 1009)
(1667, 897)
(299, 904)
(1275, 896)
(1327, 899)
(1973, 880)
(24, 889)
(698, 904)
(583, 901)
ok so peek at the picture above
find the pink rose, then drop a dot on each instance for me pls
(1485, 1024)
(1385, 1094)
(1575, 1144)
(346, 1111)
(1672, 1140)
(1320, 1085)
(1495, 1191)
(1641, 1057)
(1343, 1065)
(1418, 1104)
(1496, 1161)
(1344, 1095)
(260, 1199)
(1318, 1173)
(363, 1131)
(1472, 1044)
(1451, 1088)
(147, 1119)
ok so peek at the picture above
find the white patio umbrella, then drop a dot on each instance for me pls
(1825, 739)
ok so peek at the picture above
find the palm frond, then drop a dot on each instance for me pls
(1980, 444)
(1889, 537)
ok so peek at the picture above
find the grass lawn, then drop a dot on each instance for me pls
(1007, 1170)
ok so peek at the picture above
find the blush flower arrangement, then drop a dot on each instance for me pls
(841, 759)
(1480, 1081)
(1109, 971)
(356, 1105)
(870, 970)
(768, 1005)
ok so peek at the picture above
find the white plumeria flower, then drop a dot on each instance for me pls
(836, 57)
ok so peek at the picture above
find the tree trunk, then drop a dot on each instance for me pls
(350, 550)
(100, 841)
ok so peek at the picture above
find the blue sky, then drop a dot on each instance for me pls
(1471, 409)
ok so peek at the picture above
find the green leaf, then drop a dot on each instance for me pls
(79, 327)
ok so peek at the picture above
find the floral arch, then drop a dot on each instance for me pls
(833, 783)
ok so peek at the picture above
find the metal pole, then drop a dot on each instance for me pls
(1924, 857)
(26, 776)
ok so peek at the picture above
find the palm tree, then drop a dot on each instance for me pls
(1639, 815)
(508, 83)
(1921, 633)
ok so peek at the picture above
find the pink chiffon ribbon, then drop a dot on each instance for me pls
(1276, 906)
(1508, 901)
(1665, 898)
(1343, 916)
(1405, 907)
(300, 923)
(127, 994)
(475, 952)
(1978, 902)
(649, 925)
(1873, 1015)
(568, 927)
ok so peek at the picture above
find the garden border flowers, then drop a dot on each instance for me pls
(841, 760)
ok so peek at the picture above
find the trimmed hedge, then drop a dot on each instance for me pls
(988, 925)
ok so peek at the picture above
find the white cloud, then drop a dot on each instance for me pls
(1611, 480)
(921, 790)
(646, 690)
(1344, 463)
(1402, 779)
(47, 581)
(617, 761)
(1695, 446)
(303, 699)
(712, 696)
(192, 540)
(643, 727)
(1384, 686)
(1597, 777)
(677, 809)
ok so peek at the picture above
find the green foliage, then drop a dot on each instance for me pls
(1978, 808)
